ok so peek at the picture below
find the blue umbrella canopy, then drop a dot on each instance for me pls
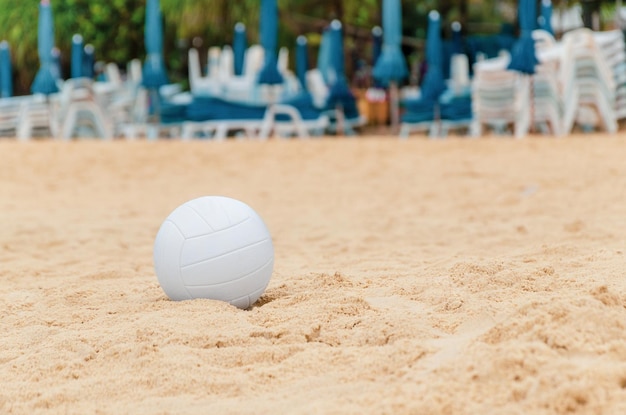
(545, 19)
(89, 61)
(76, 67)
(523, 58)
(323, 55)
(377, 49)
(391, 66)
(377, 43)
(45, 80)
(302, 59)
(433, 84)
(240, 44)
(457, 39)
(336, 67)
(56, 63)
(269, 38)
(339, 90)
(6, 71)
(154, 74)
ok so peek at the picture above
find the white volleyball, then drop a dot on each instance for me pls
(214, 247)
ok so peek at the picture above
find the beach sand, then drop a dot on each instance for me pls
(411, 277)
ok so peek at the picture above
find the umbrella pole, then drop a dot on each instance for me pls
(155, 117)
(394, 110)
(532, 104)
(340, 120)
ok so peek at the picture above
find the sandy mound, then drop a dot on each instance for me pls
(454, 277)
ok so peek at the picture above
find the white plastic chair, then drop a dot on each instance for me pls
(500, 98)
(612, 47)
(317, 87)
(589, 82)
(11, 112)
(199, 84)
(213, 62)
(226, 69)
(547, 95)
(79, 108)
(283, 60)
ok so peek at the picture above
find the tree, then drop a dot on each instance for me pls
(115, 27)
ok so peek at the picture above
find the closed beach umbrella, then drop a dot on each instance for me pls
(377, 43)
(76, 69)
(302, 60)
(545, 19)
(377, 49)
(391, 66)
(6, 71)
(339, 93)
(45, 80)
(433, 84)
(89, 61)
(337, 72)
(154, 74)
(323, 55)
(457, 39)
(523, 58)
(269, 39)
(56, 63)
(240, 44)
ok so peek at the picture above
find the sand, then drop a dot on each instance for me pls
(411, 277)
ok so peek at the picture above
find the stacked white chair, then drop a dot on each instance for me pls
(567, 19)
(134, 70)
(589, 82)
(317, 87)
(226, 65)
(220, 80)
(611, 44)
(194, 68)
(122, 99)
(11, 111)
(500, 98)
(39, 117)
(213, 61)
(79, 107)
(283, 60)
(547, 95)
(199, 84)
(459, 73)
(222, 83)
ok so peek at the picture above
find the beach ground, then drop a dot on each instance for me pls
(460, 276)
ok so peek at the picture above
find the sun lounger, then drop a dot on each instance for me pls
(215, 118)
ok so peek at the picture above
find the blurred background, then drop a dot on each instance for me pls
(116, 27)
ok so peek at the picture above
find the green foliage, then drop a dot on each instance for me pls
(115, 27)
